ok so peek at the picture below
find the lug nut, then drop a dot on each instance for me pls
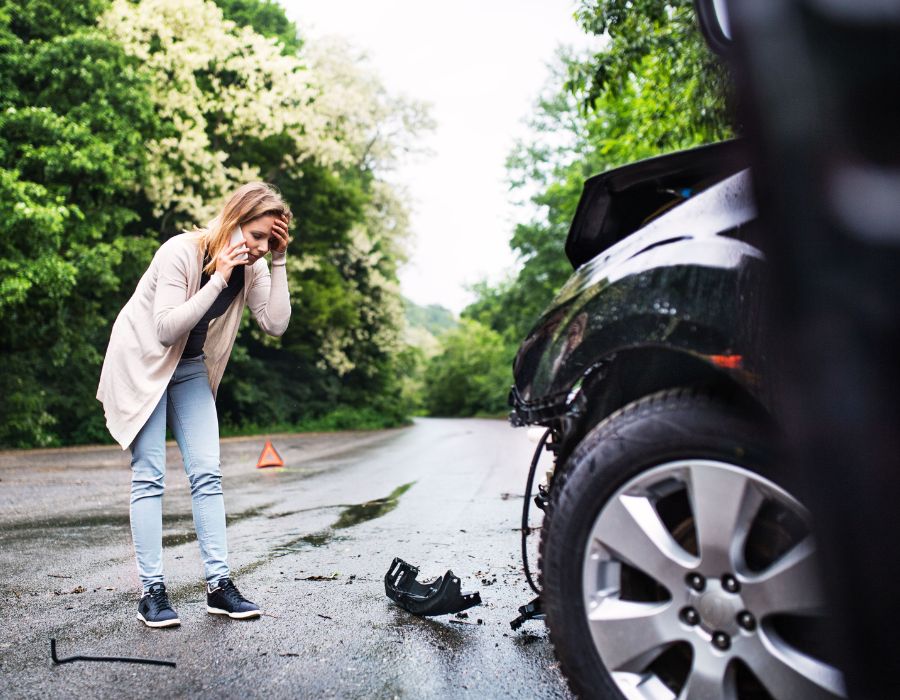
(746, 620)
(689, 616)
(696, 581)
(730, 583)
(721, 641)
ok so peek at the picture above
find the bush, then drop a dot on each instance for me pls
(471, 375)
(339, 418)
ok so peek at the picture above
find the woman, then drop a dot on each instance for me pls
(166, 355)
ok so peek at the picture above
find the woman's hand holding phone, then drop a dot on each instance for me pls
(232, 255)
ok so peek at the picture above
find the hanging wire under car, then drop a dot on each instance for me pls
(526, 506)
(533, 610)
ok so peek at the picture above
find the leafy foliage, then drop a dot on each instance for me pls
(471, 374)
(655, 88)
(226, 95)
(74, 113)
(425, 325)
(122, 123)
(434, 318)
(267, 19)
(665, 30)
(649, 95)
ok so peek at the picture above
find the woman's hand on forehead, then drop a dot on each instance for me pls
(280, 236)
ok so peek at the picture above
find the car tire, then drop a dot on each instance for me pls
(665, 528)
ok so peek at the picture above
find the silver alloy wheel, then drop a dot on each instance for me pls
(720, 619)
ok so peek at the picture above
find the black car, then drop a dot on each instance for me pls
(675, 559)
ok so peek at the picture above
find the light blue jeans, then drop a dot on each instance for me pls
(189, 407)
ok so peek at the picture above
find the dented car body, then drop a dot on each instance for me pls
(677, 295)
(674, 560)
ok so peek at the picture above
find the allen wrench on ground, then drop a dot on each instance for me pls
(124, 659)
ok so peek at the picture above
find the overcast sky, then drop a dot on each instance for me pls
(481, 64)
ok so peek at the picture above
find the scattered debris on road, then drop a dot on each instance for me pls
(123, 659)
(440, 596)
(333, 577)
(529, 638)
(76, 590)
(531, 611)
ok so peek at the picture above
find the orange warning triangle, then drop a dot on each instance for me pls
(269, 457)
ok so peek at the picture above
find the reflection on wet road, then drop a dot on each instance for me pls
(309, 542)
(354, 515)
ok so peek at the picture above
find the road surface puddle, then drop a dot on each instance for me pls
(317, 539)
(178, 538)
(350, 516)
(354, 515)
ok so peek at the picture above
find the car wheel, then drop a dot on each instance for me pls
(674, 566)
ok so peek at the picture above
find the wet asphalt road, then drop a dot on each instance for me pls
(440, 494)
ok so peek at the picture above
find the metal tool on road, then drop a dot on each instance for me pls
(123, 659)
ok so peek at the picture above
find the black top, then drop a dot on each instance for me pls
(197, 336)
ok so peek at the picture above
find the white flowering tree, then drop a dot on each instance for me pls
(122, 122)
(218, 87)
(237, 106)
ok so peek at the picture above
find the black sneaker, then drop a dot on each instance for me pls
(226, 599)
(154, 610)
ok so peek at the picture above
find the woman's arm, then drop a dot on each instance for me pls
(268, 297)
(173, 313)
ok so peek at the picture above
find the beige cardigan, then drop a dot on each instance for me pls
(151, 330)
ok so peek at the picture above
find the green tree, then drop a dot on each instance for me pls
(325, 151)
(74, 114)
(651, 100)
(122, 123)
(653, 89)
(471, 374)
(267, 18)
(321, 129)
(666, 30)
(434, 318)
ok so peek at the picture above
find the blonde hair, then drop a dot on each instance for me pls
(249, 202)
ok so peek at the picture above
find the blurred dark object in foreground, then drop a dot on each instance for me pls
(818, 82)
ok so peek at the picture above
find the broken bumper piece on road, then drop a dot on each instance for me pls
(441, 596)
(532, 611)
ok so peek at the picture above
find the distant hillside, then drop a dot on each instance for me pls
(425, 323)
(434, 318)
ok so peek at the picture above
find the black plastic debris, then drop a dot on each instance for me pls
(531, 611)
(440, 596)
(123, 659)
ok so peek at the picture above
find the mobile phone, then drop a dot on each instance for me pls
(238, 235)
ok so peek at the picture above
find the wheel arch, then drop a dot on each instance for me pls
(629, 375)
